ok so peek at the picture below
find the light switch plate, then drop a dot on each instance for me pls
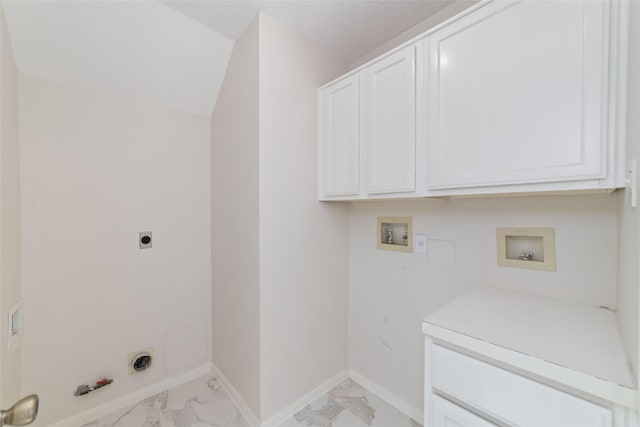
(632, 182)
(15, 324)
(421, 243)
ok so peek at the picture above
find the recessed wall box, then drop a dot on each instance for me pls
(532, 248)
(395, 233)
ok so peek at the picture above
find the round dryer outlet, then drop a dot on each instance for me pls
(140, 360)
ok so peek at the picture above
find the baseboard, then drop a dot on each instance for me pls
(251, 418)
(273, 421)
(288, 411)
(107, 408)
(387, 396)
(285, 413)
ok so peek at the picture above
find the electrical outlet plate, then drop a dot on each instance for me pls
(145, 236)
(421, 243)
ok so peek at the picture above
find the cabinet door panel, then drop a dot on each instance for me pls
(448, 414)
(516, 400)
(339, 138)
(517, 95)
(388, 125)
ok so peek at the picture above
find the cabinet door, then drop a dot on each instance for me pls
(388, 123)
(448, 414)
(339, 138)
(517, 95)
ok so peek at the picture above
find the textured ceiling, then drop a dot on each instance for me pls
(175, 53)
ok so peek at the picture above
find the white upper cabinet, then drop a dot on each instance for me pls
(367, 131)
(339, 138)
(388, 99)
(509, 96)
(517, 94)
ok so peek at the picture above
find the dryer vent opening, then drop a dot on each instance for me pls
(140, 361)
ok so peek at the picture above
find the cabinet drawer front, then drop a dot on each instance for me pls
(510, 397)
(517, 95)
(448, 414)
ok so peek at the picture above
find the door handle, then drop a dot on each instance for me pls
(22, 413)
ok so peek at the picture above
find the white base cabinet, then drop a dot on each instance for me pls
(497, 394)
(513, 359)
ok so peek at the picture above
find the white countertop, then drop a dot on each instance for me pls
(567, 343)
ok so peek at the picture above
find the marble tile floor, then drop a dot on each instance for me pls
(349, 405)
(204, 402)
(198, 403)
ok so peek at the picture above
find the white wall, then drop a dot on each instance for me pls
(303, 243)
(279, 256)
(10, 257)
(390, 293)
(96, 170)
(629, 218)
(234, 233)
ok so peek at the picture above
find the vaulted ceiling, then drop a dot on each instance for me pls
(175, 53)
(347, 28)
